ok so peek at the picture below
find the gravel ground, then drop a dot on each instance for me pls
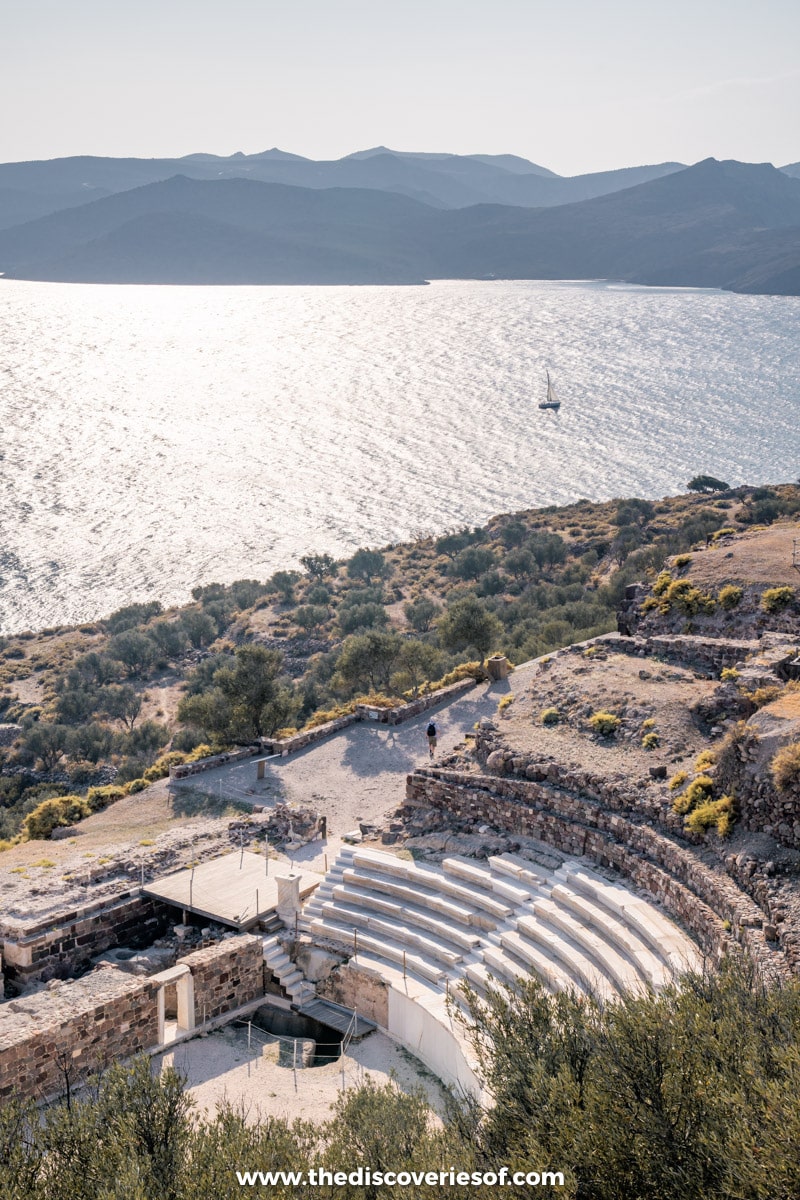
(221, 1068)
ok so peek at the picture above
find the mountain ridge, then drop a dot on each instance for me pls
(714, 224)
(40, 187)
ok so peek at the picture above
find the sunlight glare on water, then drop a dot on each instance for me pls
(154, 438)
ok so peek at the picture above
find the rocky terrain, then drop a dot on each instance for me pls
(673, 748)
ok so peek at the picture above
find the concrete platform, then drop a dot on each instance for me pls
(234, 889)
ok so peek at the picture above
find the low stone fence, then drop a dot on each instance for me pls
(700, 898)
(308, 737)
(367, 712)
(35, 950)
(185, 770)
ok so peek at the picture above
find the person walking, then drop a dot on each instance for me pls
(431, 735)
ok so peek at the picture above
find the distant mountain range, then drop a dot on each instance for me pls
(379, 216)
(34, 189)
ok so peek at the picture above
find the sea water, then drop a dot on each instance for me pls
(153, 438)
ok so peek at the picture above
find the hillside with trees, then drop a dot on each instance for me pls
(91, 713)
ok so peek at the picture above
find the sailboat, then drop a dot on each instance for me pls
(552, 400)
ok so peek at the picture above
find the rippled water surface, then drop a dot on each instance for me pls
(157, 437)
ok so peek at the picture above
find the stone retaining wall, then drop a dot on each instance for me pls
(185, 770)
(226, 975)
(706, 654)
(43, 950)
(79, 1028)
(699, 898)
(621, 796)
(366, 712)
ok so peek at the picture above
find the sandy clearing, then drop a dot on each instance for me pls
(220, 1068)
(360, 773)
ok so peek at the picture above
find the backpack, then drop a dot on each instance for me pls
(431, 730)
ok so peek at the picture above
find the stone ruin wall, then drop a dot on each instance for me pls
(744, 772)
(358, 989)
(226, 975)
(43, 950)
(707, 654)
(108, 1015)
(747, 619)
(699, 898)
(81, 1026)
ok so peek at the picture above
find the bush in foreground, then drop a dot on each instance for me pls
(689, 1095)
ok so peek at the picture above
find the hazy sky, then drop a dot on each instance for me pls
(575, 85)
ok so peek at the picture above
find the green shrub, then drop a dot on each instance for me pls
(201, 751)
(785, 768)
(649, 603)
(323, 715)
(677, 781)
(687, 598)
(662, 583)
(50, 814)
(135, 785)
(698, 792)
(550, 716)
(683, 560)
(712, 812)
(729, 596)
(467, 670)
(764, 695)
(704, 760)
(726, 531)
(650, 741)
(604, 724)
(729, 674)
(775, 599)
(504, 703)
(98, 798)
(160, 768)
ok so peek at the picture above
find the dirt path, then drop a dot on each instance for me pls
(356, 775)
(360, 773)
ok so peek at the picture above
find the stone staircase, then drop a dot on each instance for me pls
(493, 922)
(296, 986)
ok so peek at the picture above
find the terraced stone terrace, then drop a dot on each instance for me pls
(413, 936)
(493, 922)
(421, 931)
